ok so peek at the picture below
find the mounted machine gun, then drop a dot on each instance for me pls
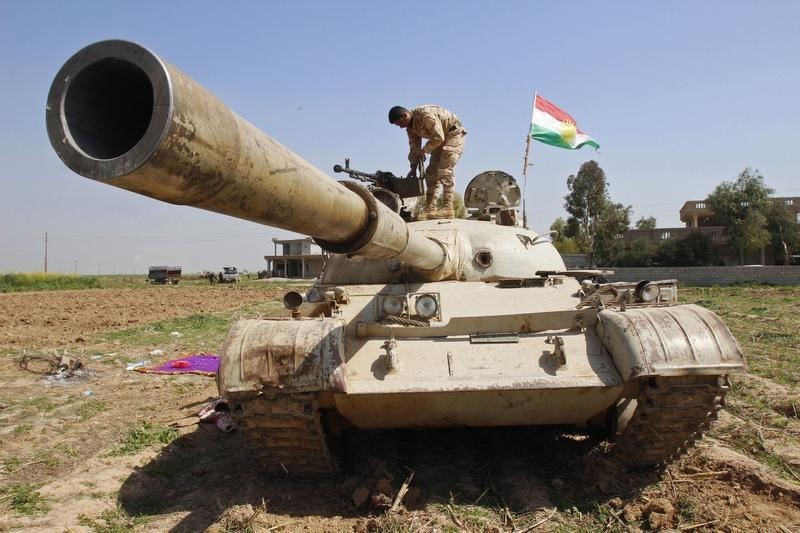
(397, 193)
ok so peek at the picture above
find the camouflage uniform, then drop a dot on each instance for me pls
(445, 136)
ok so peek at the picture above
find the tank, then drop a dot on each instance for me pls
(436, 323)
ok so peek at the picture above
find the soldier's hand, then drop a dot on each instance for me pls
(416, 157)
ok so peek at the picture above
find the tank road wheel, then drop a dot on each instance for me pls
(667, 417)
(284, 432)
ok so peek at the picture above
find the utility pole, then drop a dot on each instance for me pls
(45, 252)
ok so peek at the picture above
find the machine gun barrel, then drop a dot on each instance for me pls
(357, 174)
(120, 115)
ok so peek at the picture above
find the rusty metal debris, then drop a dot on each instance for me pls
(63, 365)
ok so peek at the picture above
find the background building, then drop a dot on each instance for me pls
(698, 217)
(295, 258)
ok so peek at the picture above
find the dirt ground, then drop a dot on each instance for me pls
(59, 437)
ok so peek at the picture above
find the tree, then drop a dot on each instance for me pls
(693, 250)
(564, 244)
(594, 221)
(742, 207)
(640, 254)
(785, 232)
(646, 223)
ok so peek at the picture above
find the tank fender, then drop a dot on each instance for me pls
(297, 355)
(671, 341)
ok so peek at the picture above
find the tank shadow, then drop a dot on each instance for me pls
(205, 472)
(519, 469)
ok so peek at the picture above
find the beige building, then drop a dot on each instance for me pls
(698, 217)
(697, 214)
(295, 258)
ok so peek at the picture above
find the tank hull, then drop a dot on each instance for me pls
(528, 358)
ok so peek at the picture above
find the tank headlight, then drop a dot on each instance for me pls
(393, 305)
(426, 306)
(292, 300)
(647, 292)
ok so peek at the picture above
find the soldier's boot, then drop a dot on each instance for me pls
(447, 210)
(429, 212)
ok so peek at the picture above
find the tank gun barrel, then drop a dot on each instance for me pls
(120, 115)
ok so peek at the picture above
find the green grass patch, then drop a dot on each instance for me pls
(760, 421)
(47, 458)
(750, 443)
(191, 329)
(197, 332)
(764, 320)
(40, 281)
(687, 508)
(12, 463)
(144, 436)
(24, 500)
(90, 408)
(41, 404)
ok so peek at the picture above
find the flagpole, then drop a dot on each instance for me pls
(526, 165)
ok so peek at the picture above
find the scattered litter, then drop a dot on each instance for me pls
(3, 405)
(51, 366)
(206, 364)
(176, 334)
(96, 357)
(112, 354)
(88, 393)
(156, 353)
(137, 365)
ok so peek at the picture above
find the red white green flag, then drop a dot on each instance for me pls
(552, 125)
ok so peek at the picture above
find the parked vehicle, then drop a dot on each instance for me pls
(229, 275)
(164, 275)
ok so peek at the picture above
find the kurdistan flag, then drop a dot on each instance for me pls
(555, 127)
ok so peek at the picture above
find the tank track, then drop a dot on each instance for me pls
(671, 414)
(284, 432)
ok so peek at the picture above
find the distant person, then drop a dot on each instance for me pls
(211, 278)
(445, 136)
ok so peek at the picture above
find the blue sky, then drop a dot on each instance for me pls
(680, 95)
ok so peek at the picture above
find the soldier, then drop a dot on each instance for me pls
(445, 136)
